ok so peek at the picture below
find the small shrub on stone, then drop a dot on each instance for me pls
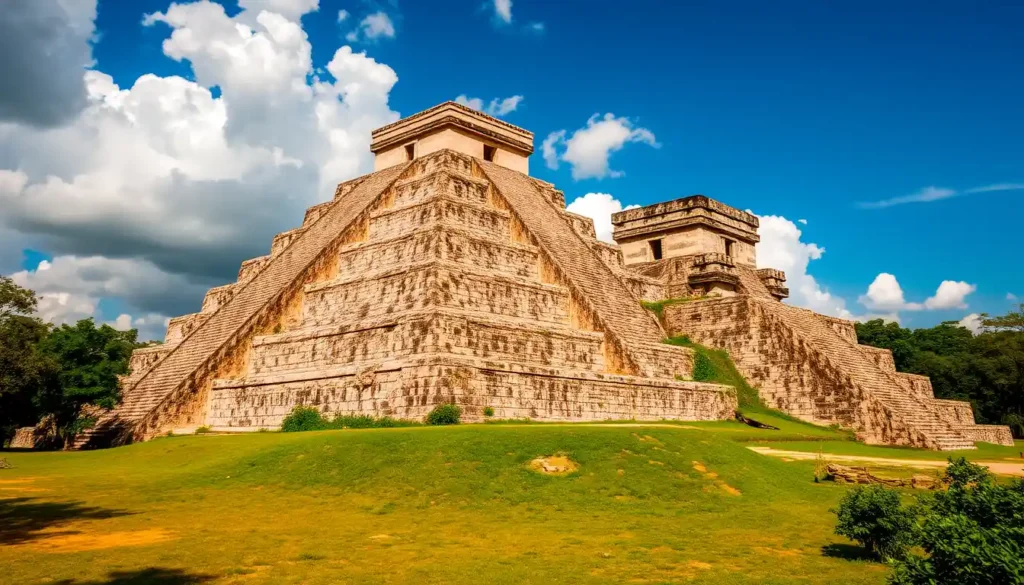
(874, 517)
(303, 418)
(203, 430)
(703, 369)
(444, 414)
(488, 411)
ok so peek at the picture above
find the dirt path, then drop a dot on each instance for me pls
(997, 467)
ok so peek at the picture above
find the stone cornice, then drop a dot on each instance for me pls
(622, 234)
(468, 119)
(685, 203)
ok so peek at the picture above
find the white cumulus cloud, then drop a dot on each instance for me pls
(163, 180)
(599, 207)
(372, 27)
(972, 322)
(588, 149)
(886, 294)
(496, 107)
(503, 11)
(782, 247)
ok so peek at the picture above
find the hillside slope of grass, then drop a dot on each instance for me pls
(649, 504)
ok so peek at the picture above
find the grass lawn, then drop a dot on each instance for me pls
(655, 504)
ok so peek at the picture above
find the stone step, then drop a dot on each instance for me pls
(453, 243)
(440, 182)
(395, 221)
(409, 333)
(433, 283)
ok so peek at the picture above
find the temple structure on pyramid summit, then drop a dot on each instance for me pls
(449, 274)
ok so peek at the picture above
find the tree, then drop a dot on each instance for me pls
(1013, 320)
(23, 370)
(90, 360)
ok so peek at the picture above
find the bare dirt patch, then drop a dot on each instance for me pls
(554, 465)
(85, 541)
(711, 475)
(996, 467)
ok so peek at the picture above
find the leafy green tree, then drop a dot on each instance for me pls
(23, 370)
(973, 533)
(90, 359)
(1013, 320)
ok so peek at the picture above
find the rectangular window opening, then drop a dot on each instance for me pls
(728, 248)
(410, 151)
(656, 249)
(489, 153)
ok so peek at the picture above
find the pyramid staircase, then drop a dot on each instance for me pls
(807, 365)
(447, 279)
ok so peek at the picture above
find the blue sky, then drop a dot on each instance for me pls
(798, 110)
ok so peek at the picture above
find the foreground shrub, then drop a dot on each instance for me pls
(303, 418)
(973, 533)
(444, 414)
(306, 418)
(875, 517)
(488, 411)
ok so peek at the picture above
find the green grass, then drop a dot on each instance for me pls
(427, 505)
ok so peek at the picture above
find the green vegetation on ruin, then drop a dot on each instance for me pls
(430, 505)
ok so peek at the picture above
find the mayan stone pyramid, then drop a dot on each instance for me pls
(450, 275)
(447, 275)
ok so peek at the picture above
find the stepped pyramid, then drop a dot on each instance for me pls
(447, 275)
(803, 363)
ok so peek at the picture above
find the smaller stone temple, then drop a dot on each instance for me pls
(703, 254)
(449, 275)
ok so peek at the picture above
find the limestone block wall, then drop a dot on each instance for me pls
(882, 357)
(181, 327)
(250, 268)
(788, 372)
(218, 296)
(803, 366)
(434, 283)
(997, 434)
(512, 390)
(842, 327)
(954, 411)
(919, 386)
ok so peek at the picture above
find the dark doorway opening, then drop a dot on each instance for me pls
(656, 249)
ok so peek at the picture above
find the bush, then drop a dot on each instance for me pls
(973, 533)
(303, 418)
(488, 411)
(874, 517)
(444, 414)
(703, 369)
